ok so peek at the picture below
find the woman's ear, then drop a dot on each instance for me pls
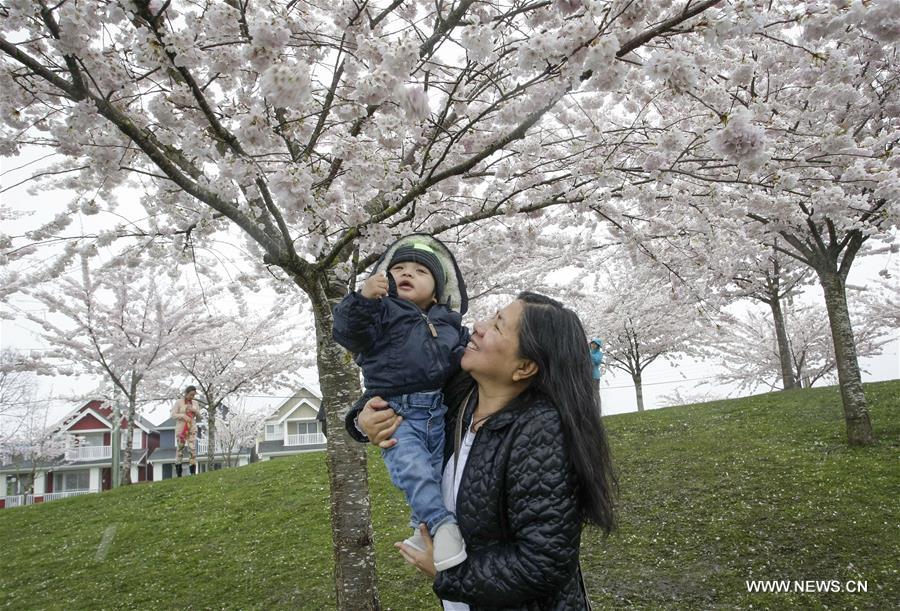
(526, 369)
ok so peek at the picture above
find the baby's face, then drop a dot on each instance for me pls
(414, 283)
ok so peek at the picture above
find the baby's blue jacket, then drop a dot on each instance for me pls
(394, 344)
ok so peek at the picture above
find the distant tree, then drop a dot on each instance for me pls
(35, 442)
(239, 428)
(641, 318)
(880, 300)
(17, 384)
(747, 347)
(774, 278)
(122, 323)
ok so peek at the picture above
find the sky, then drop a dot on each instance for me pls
(689, 378)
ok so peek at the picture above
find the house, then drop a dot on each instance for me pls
(163, 458)
(295, 426)
(85, 466)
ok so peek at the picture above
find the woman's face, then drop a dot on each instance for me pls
(493, 349)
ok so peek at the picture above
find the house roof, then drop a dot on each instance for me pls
(24, 466)
(101, 412)
(144, 423)
(166, 424)
(289, 412)
(85, 413)
(92, 404)
(304, 394)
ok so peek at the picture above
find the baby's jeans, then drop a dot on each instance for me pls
(416, 461)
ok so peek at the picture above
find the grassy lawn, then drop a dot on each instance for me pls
(712, 495)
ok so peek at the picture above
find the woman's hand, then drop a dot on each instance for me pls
(424, 561)
(378, 421)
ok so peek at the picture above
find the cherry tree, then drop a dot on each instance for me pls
(720, 268)
(812, 347)
(322, 132)
(787, 132)
(642, 317)
(238, 353)
(120, 323)
(239, 428)
(680, 397)
(748, 350)
(773, 279)
(34, 441)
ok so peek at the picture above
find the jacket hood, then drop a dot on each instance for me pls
(454, 293)
(596, 340)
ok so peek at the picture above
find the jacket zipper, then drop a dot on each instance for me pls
(429, 323)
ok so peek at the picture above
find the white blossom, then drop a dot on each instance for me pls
(478, 41)
(740, 140)
(287, 85)
(675, 70)
(415, 104)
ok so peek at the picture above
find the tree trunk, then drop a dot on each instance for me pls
(129, 434)
(784, 349)
(856, 410)
(210, 430)
(638, 390)
(351, 515)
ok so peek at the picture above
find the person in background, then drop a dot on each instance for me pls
(186, 412)
(596, 346)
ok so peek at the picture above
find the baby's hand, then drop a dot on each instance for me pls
(375, 287)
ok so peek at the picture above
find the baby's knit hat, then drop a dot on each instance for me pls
(424, 255)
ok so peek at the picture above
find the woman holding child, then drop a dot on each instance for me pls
(526, 461)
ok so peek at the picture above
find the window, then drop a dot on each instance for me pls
(273, 432)
(307, 428)
(135, 442)
(87, 440)
(18, 485)
(71, 480)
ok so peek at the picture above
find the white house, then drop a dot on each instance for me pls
(294, 427)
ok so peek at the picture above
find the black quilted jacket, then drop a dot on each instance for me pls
(517, 510)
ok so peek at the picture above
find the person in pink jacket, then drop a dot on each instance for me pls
(186, 411)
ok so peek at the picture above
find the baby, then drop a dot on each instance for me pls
(408, 340)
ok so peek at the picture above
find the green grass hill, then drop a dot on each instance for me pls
(712, 495)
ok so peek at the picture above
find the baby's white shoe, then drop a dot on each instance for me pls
(416, 541)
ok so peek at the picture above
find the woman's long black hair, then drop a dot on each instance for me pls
(552, 336)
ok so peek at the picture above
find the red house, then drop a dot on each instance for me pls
(86, 464)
